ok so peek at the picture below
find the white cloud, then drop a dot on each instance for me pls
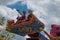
(7, 2)
(23, 2)
(48, 10)
(8, 13)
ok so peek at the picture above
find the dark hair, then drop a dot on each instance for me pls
(24, 11)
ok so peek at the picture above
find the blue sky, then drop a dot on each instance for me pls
(19, 6)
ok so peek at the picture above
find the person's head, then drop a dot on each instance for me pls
(24, 13)
(30, 11)
(18, 10)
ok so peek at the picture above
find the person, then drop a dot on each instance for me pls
(30, 15)
(19, 11)
(23, 18)
(18, 18)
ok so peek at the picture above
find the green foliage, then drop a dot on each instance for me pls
(7, 34)
(2, 21)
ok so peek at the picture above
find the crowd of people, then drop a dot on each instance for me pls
(24, 17)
